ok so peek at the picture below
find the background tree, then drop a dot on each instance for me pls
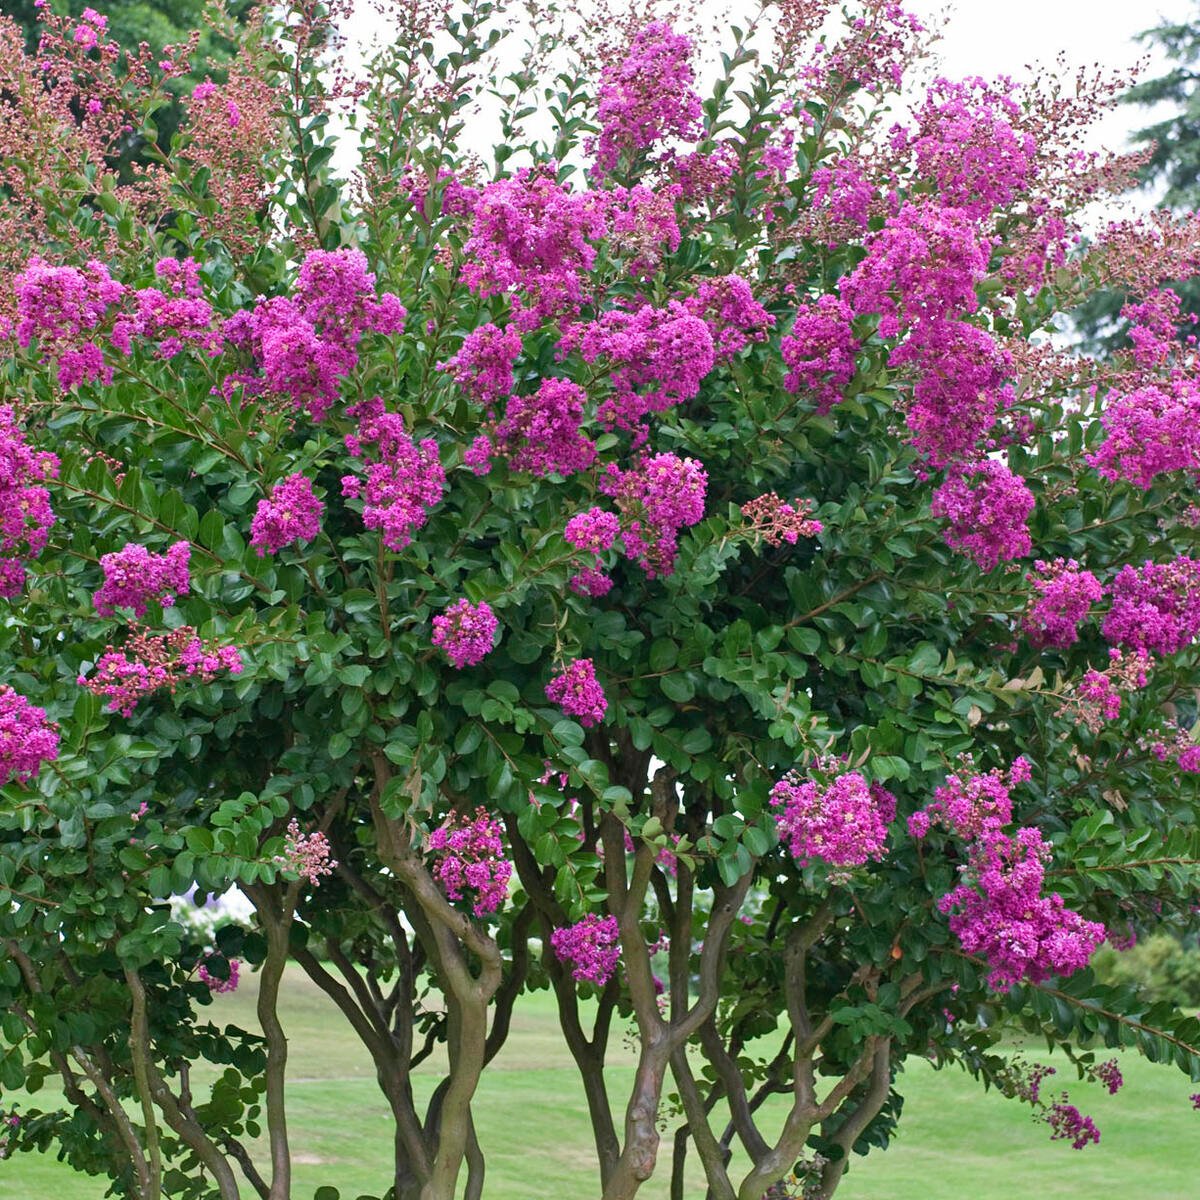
(668, 568)
(1171, 146)
(158, 22)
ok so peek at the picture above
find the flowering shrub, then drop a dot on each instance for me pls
(677, 542)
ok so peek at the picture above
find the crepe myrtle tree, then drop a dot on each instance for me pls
(670, 566)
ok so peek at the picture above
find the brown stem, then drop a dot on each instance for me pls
(735, 1090)
(390, 1070)
(468, 996)
(276, 919)
(707, 1146)
(658, 1041)
(587, 1053)
(771, 1166)
(77, 1096)
(862, 1115)
(239, 1154)
(475, 1166)
(139, 1053)
(117, 1116)
(180, 1118)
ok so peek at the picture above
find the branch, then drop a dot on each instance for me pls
(183, 1123)
(864, 1113)
(276, 922)
(735, 1090)
(139, 1054)
(116, 1112)
(770, 1166)
(467, 996)
(707, 1146)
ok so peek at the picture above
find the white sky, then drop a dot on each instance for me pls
(988, 37)
(995, 37)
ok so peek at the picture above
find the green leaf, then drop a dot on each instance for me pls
(806, 640)
(677, 687)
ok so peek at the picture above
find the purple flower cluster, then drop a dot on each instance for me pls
(541, 434)
(26, 517)
(642, 223)
(971, 805)
(1002, 916)
(872, 55)
(532, 241)
(214, 983)
(483, 366)
(291, 514)
(148, 663)
(1153, 326)
(777, 522)
(1067, 1123)
(656, 499)
(63, 308)
(134, 577)
(578, 693)
(27, 739)
(987, 507)
(966, 143)
(819, 351)
(960, 375)
(1065, 594)
(1026, 1080)
(402, 482)
(922, 265)
(466, 632)
(845, 192)
(647, 97)
(1155, 607)
(1096, 698)
(592, 947)
(207, 660)
(837, 817)
(1151, 431)
(307, 343)
(658, 358)
(91, 25)
(1109, 1074)
(998, 911)
(593, 532)
(174, 317)
(733, 316)
(470, 857)
(307, 854)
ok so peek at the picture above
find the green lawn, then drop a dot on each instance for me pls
(956, 1141)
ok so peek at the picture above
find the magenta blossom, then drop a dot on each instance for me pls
(27, 738)
(292, 514)
(134, 577)
(466, 632)
(578, 693)
(592, 947)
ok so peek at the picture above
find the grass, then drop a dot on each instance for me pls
(956, 1141)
